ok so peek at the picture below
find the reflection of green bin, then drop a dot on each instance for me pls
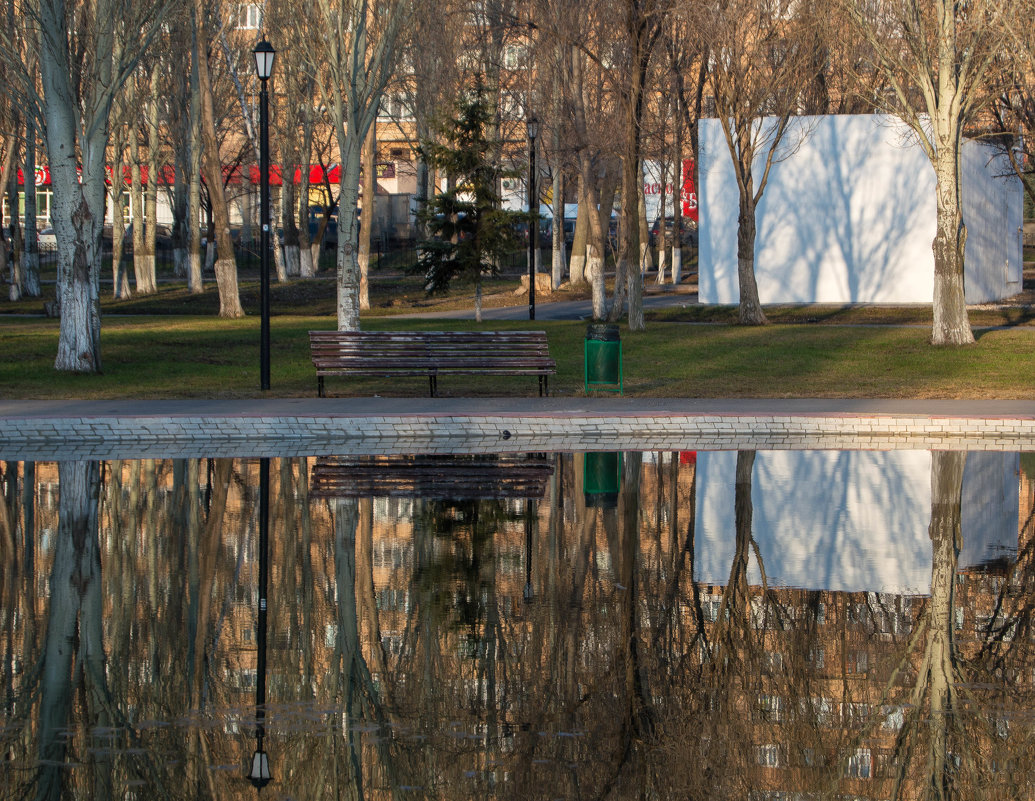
(601, 479)
(603, 358)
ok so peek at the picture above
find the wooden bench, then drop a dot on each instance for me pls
(431, 353)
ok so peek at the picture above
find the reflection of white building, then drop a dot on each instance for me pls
(848, 216)
(850, 521)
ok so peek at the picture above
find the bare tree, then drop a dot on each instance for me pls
(935, 56)
(82, 70)
(212, 169)
(352, 53)
(756, 73)
(1013, 101)
(643, 26)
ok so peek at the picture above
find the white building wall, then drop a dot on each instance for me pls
(993, 208)
(848, 216)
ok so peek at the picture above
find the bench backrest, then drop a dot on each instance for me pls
(434, 346)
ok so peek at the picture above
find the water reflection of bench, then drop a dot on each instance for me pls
(434, 477)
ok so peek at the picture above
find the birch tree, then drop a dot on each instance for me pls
(351, 48)
(935, 56)
(643, 20)
(212, 169)
(1013, 103)
(82, 70)
(756, 75)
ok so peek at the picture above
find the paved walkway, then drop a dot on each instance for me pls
(313, 426)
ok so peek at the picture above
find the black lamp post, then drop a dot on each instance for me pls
(264, 55)
(533, 212)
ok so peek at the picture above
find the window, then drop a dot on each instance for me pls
(249, 17)
(395, 107)
(860, 764)
(514, 56)
(512, 105)
(768, 756)
(770, 708)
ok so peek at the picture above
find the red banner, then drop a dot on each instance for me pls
(689, 191)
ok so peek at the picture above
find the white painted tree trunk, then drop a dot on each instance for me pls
(149, 258)
(366, 226)
(77, 212)
(577, 262)
(677, 264)
(951, 321)
(31, 254)
(195, 282)
(292, 257)
(348, 239)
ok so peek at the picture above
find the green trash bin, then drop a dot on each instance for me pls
(603, 358)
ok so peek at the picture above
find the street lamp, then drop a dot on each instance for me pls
(264, 55)
(533, 212)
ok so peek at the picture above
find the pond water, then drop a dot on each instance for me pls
(743, 625)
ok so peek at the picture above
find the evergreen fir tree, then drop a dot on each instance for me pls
(469, 233)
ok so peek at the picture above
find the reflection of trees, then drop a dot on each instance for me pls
(403, 654)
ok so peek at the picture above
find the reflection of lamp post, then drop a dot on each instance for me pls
(259, 774)
(533, 214)
(529, 592)
(264, 55)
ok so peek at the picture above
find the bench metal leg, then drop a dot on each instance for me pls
(432, 385)
(319, 386)
(543, 386)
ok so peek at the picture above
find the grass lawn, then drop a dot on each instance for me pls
(185, 356)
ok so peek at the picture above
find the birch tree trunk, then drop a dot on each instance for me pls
(212, 168)
(149, 255)
(366, 223)
(308, 256)
(558, 255)
(937, 67)
(119, 275)
(357, 51)
(677, 190)
(288, 202)
(194, 275)
(14, 242)
(577, 262)
(144, 281)
(951, 321)
(31, 263)
(750, 311)
(77, 210)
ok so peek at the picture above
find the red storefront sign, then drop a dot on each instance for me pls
(688, 191)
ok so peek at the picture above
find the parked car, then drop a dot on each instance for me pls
(546, 232)
(689, 232)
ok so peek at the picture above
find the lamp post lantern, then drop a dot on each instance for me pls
(264, 55)
(533, 214)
